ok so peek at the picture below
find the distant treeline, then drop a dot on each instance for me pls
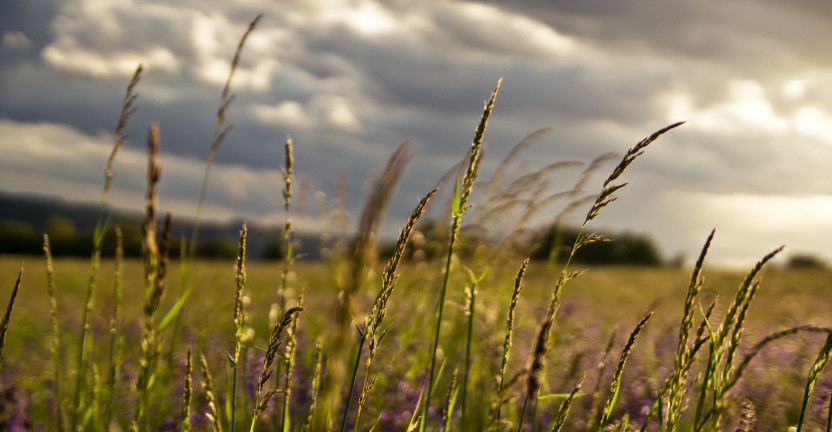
(66, 239)
(24, 220)
(548, 243)
(70, 225)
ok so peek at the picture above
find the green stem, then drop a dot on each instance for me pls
(352, 381)
(86, 329)
(363, 393)
(234, 399)
(468, 356)
(440, 308)
(703, 393)
(523, 414)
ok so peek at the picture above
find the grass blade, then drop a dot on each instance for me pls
(615, 386)
(4, 326)
(814, 373)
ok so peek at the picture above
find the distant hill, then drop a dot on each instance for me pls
(24, 219)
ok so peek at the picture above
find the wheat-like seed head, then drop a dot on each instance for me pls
(609, 188)
(541, 348)
(240, 280)
(616, 381)
(150, 249)
(563, 411)
(475, 155)
(127, 109)
(287, 172)
(213, 413)
(186, 395)
(390, 276)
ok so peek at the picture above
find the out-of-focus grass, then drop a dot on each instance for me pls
(602, 300)
(603, 295)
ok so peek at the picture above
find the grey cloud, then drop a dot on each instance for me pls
(425, 79)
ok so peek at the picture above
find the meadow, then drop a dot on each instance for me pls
(600, 305)
(475, 338)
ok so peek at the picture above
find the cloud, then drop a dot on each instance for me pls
(57, 159)
(351, 79)
(749, 224)
(321, 111)
(104, 38)
(15, 40)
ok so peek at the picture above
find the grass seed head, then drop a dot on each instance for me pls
(541, 348)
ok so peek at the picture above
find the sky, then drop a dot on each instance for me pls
(351, 80)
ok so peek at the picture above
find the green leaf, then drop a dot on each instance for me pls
(174, 311)
(231, 361)
(456, 208)
(558, 396)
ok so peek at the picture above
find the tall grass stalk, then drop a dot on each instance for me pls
(696, 346)
(595, 404)
(603, 199)
(814, 374)
(239, 320)
(364, 254)
(288, 178)
(615, 386)
(356, 364)
(470, 309)
(220, 130)
(116, 341)
(515, 296)
(85, 347)
(185, 416)
(154, 258)
(374, 324)
(291, 347)
(676, 383)
(720, 365)
(7, 316)
(755, 350)
(541, 347)
(316, 382)
(563, 411)
(450, 400)
(460, 204)
(55, 346)
(213, 413)
(262, 400)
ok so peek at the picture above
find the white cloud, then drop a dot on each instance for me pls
(482, 20)
(212, 39)
(321, 111)
(110, 38)
(745, 107)
(795, 88)
(286, 112)
(367, 17)
(814, 122)
(105, 65)
(748, 225)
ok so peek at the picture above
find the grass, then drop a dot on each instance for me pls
(447, 344)
(781, 369)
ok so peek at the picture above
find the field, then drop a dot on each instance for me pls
(603, 301)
